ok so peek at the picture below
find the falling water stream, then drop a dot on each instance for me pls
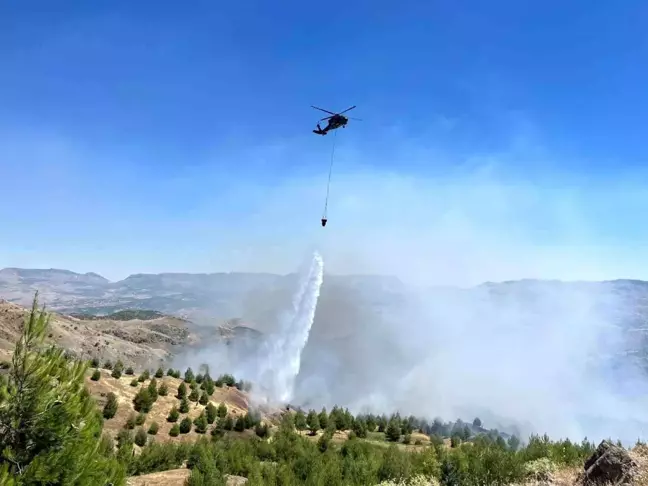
(283, 350)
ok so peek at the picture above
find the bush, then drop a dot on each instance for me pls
(110, 408)
(239, 426)
(222, 410)
(193, 396)
(173, 415)
(143, 400)
(140, 437)
(134, 382)
(96, 375)
(129, 371)
(175, 431)
(153, 428)
(184, 406)
(159, 373)
(163, 391)
(185, 425)
(200, 424)
(117, 370)
(204, 399)
(189, 375)
(140, 419)
(182, 391)
(130, 422)
(211, 413)
(144, 376)
(393, 431)
(94, 363)
(262, 430)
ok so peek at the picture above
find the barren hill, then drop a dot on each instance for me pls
(136, 342)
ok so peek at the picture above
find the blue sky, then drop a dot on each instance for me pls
(499, 139)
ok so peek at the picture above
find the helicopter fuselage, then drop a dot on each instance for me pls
(337, 121)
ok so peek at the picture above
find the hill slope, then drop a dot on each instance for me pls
(135, 342)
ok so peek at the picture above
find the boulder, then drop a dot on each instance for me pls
(610, 464)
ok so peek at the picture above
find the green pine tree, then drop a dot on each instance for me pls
(50, 427)
(313, 422)
(300, 420)
(96, 375)
(200, 423)
(153, 428)
(185, 425)
(222, 410)
(239, 426)
(173, 415)
(184, 405)
(393, 431)
(140, 437)
(211, 413)
(110, 408)
(189, 375)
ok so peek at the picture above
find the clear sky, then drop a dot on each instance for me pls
(498, 139)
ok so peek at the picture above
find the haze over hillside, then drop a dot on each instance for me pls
(566, 358)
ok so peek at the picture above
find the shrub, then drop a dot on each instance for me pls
(130, 422)
(173, 415)
(140, 419)
(211, 413)
(159, 373)
(153, 429)
(110, 408)
(189, 375)
(143, 400)
(222, 410)
(175, 431)
(200, 424)
(185, 425)
(96, 375)
(140, 437)
(239, 426)
(184, 406)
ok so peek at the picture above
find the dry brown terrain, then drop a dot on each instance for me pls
(174, 477)
(236, 401)
(139, 343)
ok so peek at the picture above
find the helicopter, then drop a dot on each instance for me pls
(336, 120)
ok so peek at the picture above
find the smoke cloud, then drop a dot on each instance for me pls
(432, 340)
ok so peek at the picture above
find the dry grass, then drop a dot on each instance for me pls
(640, 455)
(175, 477)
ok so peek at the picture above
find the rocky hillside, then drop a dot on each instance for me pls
(136, 342)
